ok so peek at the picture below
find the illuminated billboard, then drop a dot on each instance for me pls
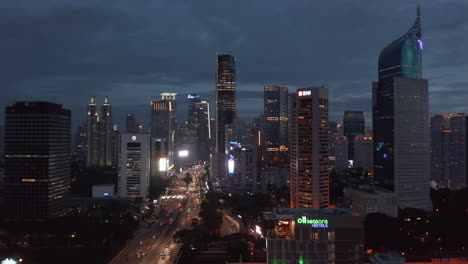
(183, 153)
(162, 164)
(318, 223)
(231, 166)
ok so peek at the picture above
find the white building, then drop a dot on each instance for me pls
(134, 165)
(364, 201)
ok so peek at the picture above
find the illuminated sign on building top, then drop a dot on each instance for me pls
(133, 138)
(318, 223)
(304, 93)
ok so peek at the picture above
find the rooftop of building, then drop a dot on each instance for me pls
(290, 213)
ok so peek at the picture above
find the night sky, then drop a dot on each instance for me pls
(65, 51)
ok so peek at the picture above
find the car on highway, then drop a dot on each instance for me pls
(163, 256)
(168, 251)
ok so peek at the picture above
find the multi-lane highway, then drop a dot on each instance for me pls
(153, 244)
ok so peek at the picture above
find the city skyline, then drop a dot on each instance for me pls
(80, 64)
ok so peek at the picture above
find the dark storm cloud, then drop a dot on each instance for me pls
(65, 50)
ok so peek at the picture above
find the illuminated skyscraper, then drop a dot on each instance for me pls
(225, 97)
(353, 125)
(134, 166)
(106, 131)
(192, 99)
(276, 132)
(93, 133)
(309, 149)
(400, 122)
(37, 159)
(160, 134)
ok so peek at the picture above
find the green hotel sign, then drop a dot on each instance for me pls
(319, 223)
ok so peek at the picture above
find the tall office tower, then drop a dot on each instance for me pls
(192, 99)
(93, 134)
(160, 135)
(309, 149)
(332, 134)
(242, 168)
(81, 142)
(134, 166)
(203, 128)
(363, 153)
(353, 125)
(132, 124)
(37, 159)
(186, 148)
(400, 122)
(170, 98)
(275, 148)
(106, 127)
(448, 135)
(115, 145)
(237, 132)
(341, 153)
(225, 97)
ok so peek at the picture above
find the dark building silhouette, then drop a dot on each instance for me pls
(400, 122)
(448, 150)
(37, 160)
(80, 142)
(353, 125)
(203, 129)
(93, 133)
(131, 124)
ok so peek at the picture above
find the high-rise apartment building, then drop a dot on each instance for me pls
(225, 97)
(400, 122)
(309, 149)
(134, 165)
(37, 159)
(448, 155)
(353, 125)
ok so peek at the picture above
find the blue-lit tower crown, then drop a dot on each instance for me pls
(403, 57)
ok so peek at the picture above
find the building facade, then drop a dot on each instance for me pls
(314, 236)
(242, 168)
(309, 149)
(341, 153)
(276, 134)
(353, 125)
(400, 122)
(448, 150)
(203, 130)
(363, 153)
(225, 97)
(93, 133)
(134, 165)
(37, 159)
